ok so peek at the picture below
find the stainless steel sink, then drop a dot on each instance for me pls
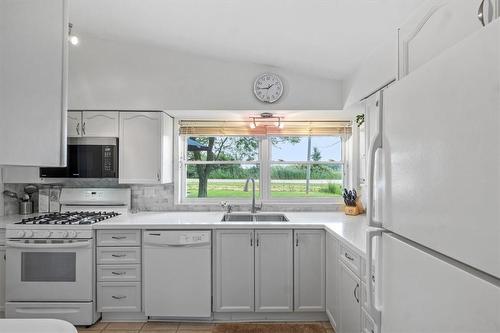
(244, 217)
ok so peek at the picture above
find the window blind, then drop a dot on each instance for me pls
(264, 128)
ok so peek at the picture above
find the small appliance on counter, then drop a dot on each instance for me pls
(25, 202)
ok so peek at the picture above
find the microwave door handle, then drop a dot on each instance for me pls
(75, 245)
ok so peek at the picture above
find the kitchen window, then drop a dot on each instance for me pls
(288, 166)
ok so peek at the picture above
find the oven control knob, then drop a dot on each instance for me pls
(71, 234)
(20, 234)
(28, 234)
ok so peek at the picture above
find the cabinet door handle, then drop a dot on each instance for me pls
(118, 255)
(296, 240)
(118, 273)
(348, 256)
(251, 240)
(83, 128)
(257, 242)
(118, 237)
(158, 176)
(78, 128)
(356, 292)
(119, 297)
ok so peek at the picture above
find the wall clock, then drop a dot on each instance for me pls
(268, 87)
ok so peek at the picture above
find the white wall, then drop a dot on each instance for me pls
(106, 74)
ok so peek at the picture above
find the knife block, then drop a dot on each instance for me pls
(351, 210)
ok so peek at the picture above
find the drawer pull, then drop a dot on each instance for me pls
(348, 256)
(119, 297)
(118, 237)
(118, 273)
(118, 255)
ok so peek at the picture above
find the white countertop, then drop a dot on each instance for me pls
(351, 229)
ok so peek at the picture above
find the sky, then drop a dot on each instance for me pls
(330, 148)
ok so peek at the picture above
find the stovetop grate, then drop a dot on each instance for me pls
(69, 218)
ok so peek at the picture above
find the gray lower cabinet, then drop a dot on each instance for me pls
(234, 271)
(350, 310)
(273, 271)
(309, 270)
(332, 280)
(119, 271)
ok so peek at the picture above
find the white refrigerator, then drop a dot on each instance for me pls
(436, 258)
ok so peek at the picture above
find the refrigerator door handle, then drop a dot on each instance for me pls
(374, 309)
(375, 144)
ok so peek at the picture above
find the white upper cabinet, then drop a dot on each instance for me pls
(74, 124)
(33, 82)
(436, 26)
(378, 70)
(309, 270)
(146, 148)
(273, 271)
(101, 124)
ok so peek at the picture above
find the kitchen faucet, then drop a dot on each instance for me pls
(254, 208)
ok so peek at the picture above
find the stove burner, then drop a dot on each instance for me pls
(70, 218)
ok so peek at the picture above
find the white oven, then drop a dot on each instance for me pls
(50, 270)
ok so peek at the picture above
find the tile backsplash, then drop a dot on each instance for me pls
(156, 198)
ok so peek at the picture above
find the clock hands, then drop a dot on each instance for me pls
(267, 88)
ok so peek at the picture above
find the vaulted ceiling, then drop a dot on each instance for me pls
(328, 38)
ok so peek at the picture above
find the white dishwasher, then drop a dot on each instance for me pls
(177, 273)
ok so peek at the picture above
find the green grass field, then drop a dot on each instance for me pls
(278, 190)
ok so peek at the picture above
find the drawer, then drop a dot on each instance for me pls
(120, 273)
(118, 255)
(352, 260)
(118, 297)
(118, 238)
(367, 323)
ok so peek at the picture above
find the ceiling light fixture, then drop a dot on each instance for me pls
(74, 40)
(267, 119)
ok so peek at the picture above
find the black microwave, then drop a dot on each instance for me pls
(86, 161)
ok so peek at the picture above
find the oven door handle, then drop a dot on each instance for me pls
(49, 245)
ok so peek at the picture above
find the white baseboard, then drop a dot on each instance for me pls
(220, 317)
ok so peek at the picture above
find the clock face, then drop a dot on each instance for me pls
(268, 87)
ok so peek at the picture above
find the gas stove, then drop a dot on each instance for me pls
(69, 218)
(80, 209)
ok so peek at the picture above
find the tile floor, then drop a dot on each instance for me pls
(167, 327)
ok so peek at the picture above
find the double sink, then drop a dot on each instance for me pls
(246, 217)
